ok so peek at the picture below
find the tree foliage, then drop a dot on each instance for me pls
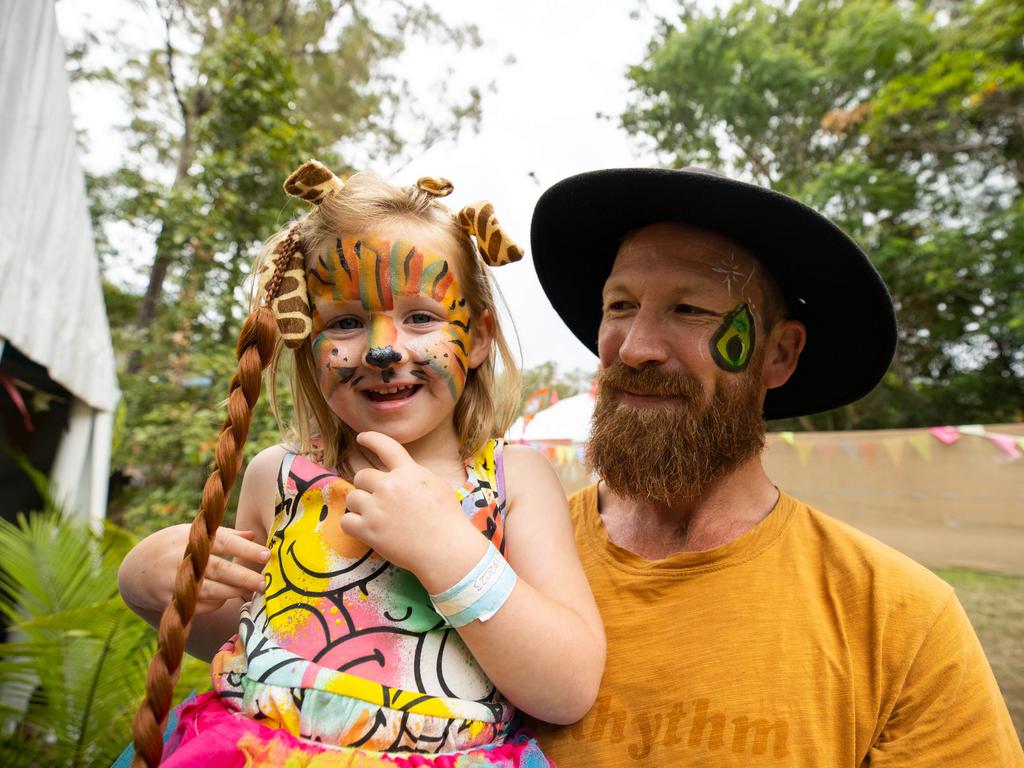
(236, 95)
(903, 123)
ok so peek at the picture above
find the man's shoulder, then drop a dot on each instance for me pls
(583, 499)
(855, 558)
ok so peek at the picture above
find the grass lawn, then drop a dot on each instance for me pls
(995, 603)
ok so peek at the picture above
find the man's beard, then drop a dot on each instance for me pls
(672, 452)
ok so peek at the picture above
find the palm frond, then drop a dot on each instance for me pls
(76, 670)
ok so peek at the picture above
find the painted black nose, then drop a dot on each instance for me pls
(382, 357)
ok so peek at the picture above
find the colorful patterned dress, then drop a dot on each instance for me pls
(343, 660)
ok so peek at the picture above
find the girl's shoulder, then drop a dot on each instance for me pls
(268, 460)
(266, 464)
(524, 467)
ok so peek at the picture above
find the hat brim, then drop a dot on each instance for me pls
(828, 282)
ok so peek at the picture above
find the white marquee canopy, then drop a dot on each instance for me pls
(51, 302)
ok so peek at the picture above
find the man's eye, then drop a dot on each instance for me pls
(616, 306)
(689, 309)
(347, 323)
(420, 318)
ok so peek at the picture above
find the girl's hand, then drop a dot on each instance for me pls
(410, 516)
(147, 574)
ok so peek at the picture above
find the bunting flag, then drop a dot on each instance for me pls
(868, 451)
(803, 451)
(945, 435)
(894, 447)
(922, 444)
(825, 450)
(543, 398)
(12, 392)
(1008, 445)
(860, 448)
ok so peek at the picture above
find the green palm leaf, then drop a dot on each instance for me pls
(75, 671)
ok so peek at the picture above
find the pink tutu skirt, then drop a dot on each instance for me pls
(209, 734)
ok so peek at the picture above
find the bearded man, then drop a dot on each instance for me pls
(744, 627)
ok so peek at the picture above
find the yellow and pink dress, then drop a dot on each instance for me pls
(343, 661)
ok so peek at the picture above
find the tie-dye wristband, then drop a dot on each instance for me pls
(480, 594)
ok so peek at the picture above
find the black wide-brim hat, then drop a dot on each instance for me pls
(828, 282)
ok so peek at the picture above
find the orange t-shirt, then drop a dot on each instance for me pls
(801, 643)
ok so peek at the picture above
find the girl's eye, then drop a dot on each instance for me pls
(347, 323)
(420, 318)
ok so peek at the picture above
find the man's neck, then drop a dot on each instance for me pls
(725, 512)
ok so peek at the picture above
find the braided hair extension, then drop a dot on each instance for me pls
(255, 350)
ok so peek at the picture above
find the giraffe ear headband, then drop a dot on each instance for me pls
(479, 222)
(282, 278)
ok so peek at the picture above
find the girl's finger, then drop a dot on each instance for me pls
(390, 452)
(357, 502)
(368, 479)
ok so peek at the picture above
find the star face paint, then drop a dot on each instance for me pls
(732, 345)
(387, 309)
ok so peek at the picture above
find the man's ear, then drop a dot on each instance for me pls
(785, 343)
(481, 338)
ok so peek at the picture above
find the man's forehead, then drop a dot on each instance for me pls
(670, 241)
(667, 250)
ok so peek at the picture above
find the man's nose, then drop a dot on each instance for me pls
(645, 342)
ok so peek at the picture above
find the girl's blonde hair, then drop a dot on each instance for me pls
(368, 203)
(364, 203)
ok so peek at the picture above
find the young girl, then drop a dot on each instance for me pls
(419, 580)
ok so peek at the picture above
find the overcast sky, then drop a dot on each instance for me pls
(555, 64)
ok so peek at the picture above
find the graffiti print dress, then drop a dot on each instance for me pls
(343, 661)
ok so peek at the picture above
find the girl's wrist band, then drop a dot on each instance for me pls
(479, 594)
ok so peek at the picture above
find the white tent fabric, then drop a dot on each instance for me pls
(51, 303)
(567, 421)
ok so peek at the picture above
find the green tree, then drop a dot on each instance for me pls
(236, 96)
(902, 122)
(240, 93)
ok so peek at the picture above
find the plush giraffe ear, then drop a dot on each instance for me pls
(495, 247)
(282, 283)
(312, 181)
(435, 186)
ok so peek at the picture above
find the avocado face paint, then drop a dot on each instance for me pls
(732, 345)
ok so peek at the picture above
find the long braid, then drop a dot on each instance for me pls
(255, 351)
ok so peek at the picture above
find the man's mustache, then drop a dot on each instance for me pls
(648, 381)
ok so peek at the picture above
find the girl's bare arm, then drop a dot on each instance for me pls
(233, 573)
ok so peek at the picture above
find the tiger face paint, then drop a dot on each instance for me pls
(732, 345)
(387, 312)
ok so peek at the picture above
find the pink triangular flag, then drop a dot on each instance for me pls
(1008, 444)
(945, 435)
